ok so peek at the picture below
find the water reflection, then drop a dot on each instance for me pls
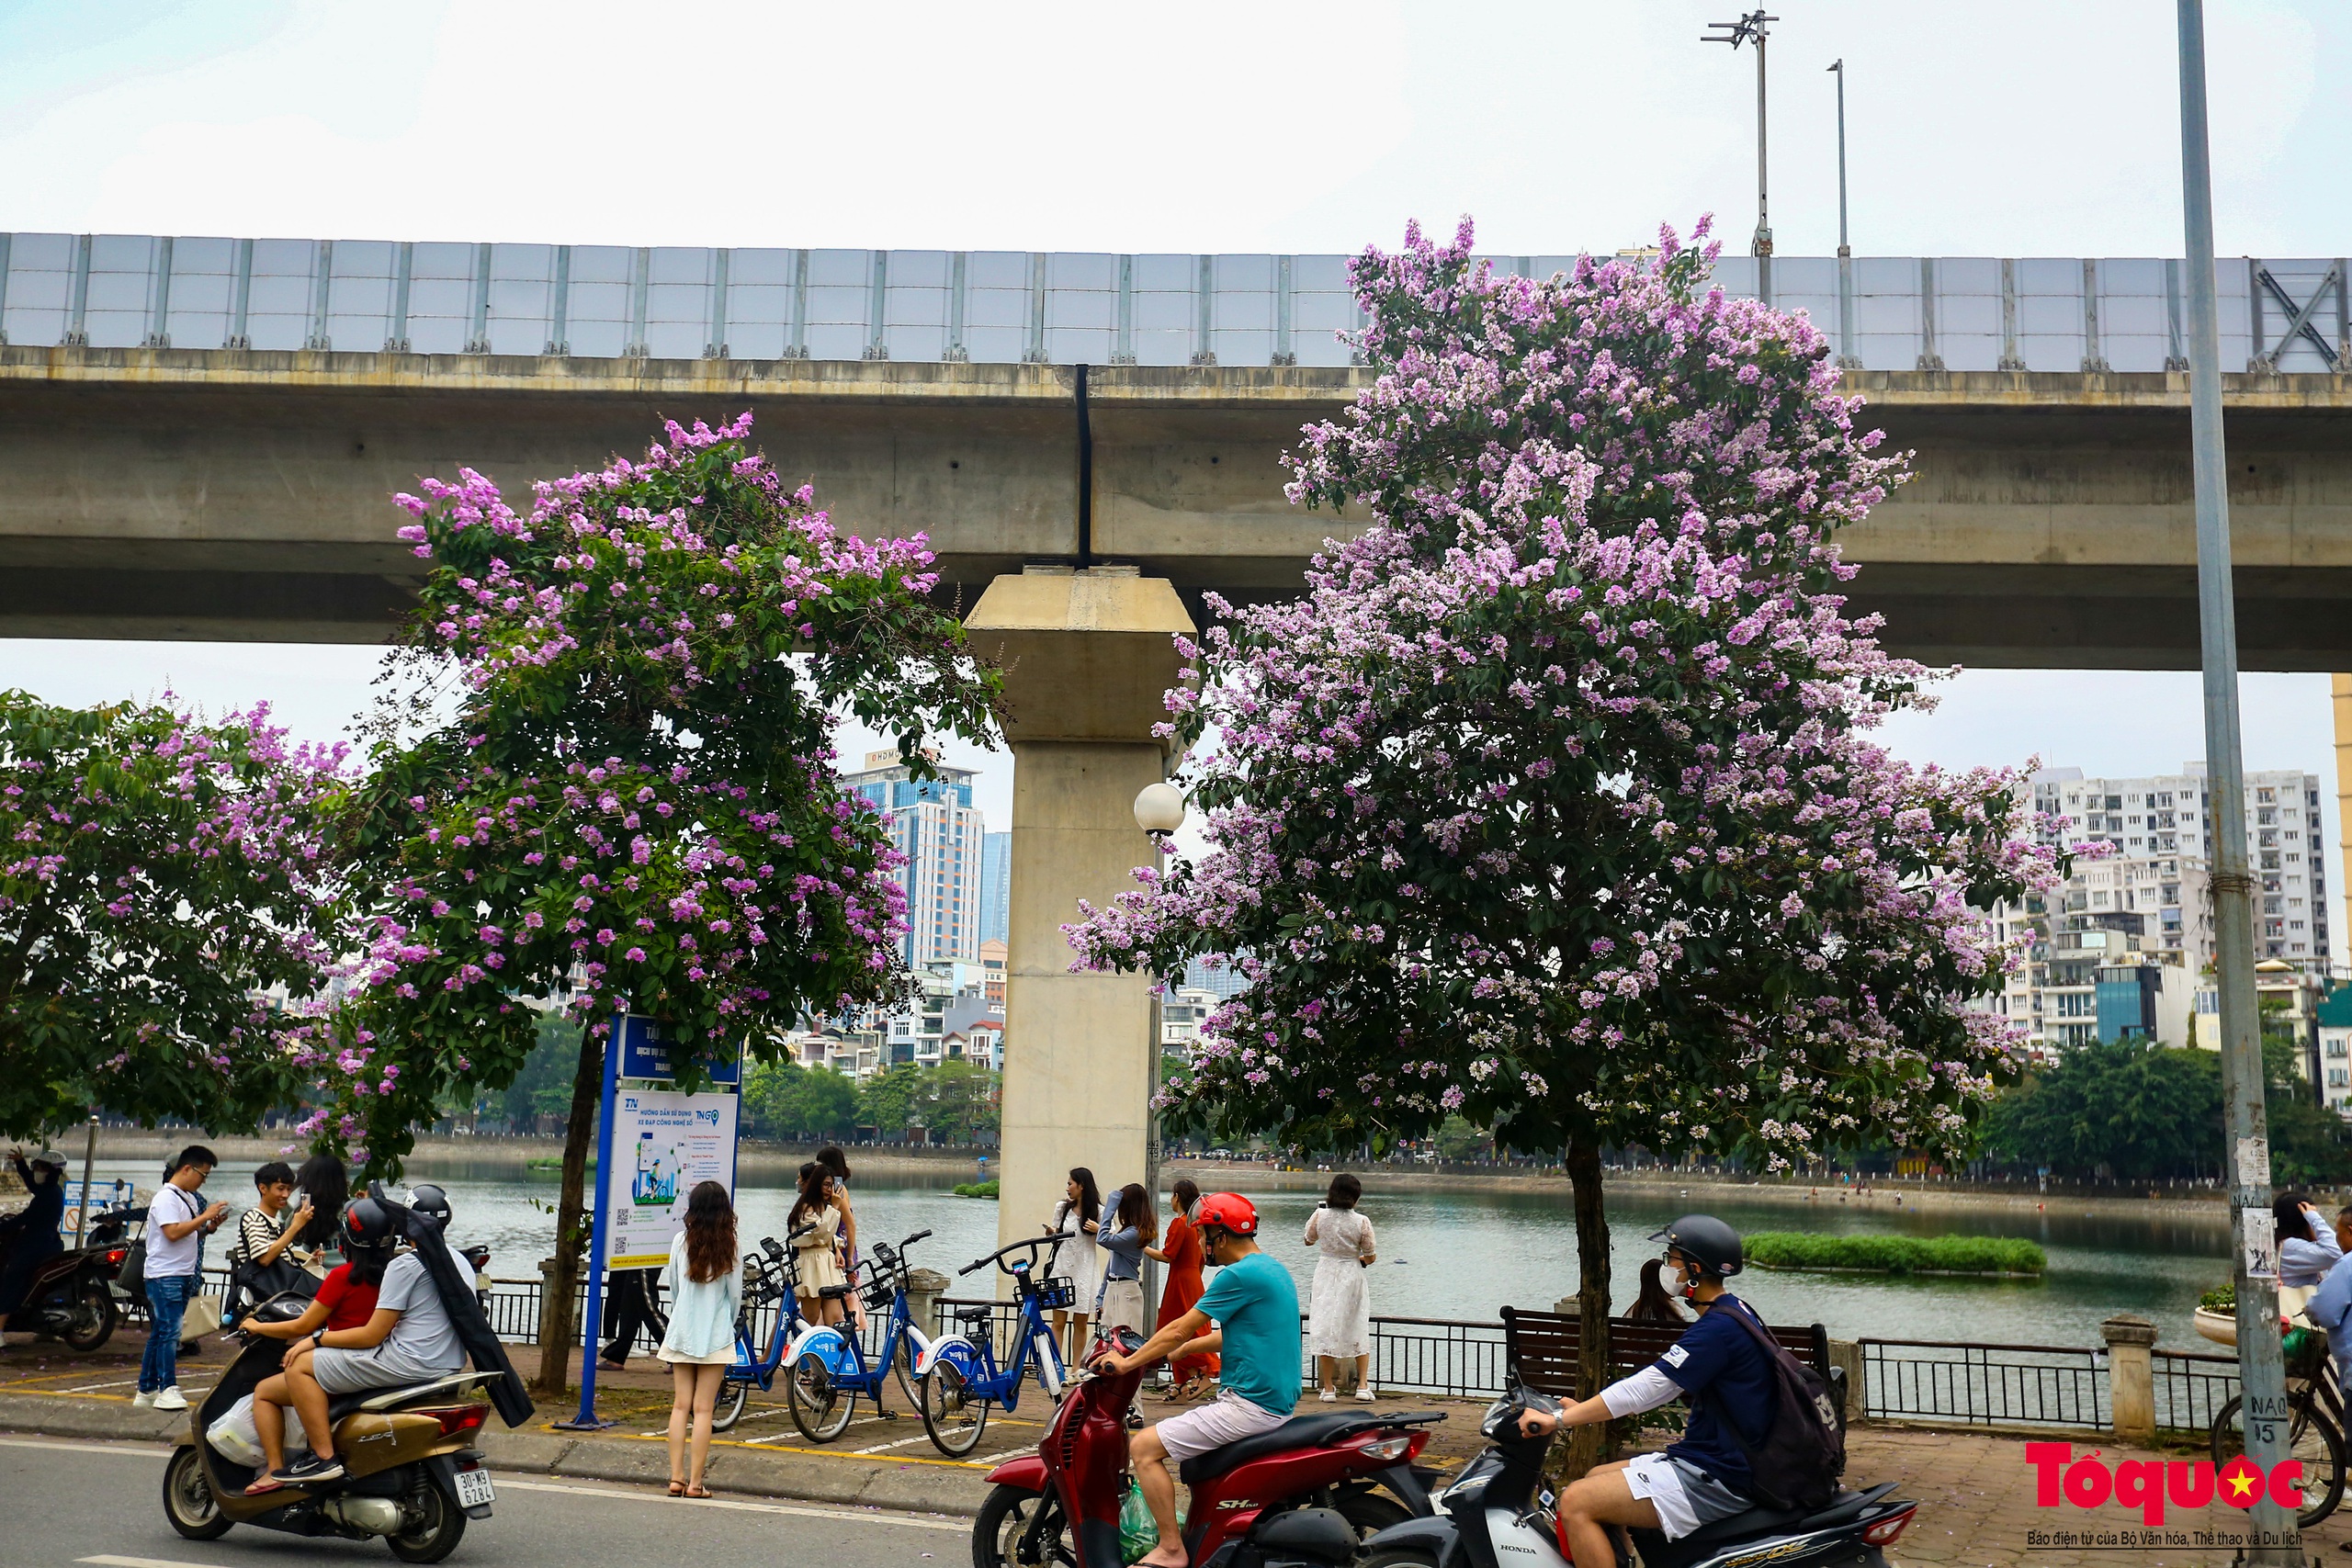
(1463, 1254)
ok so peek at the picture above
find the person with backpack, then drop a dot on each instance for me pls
(1761, 1430)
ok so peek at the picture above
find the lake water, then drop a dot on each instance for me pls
(1464, 1254)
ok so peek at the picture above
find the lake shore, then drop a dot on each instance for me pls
(770, 1164)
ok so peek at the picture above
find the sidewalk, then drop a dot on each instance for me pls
(1975, 1490)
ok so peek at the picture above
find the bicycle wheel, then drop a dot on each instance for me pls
(2311, 1437)
(820, 1410)
(732, 1397)
(951, 1414)
(903, 1369)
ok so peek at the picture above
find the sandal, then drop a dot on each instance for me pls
(698, 1491)
(263, 1484)
(677, 1489)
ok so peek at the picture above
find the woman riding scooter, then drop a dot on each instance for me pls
(408, 1339)
(28, 1237)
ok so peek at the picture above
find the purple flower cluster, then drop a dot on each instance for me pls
(1553, 802)
(634, 806)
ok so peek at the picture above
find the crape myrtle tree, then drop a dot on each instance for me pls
(162, 891)
(1552, 803)
(632, 806)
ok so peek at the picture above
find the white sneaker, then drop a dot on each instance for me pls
(143, 1399)
(1365, 1394)
(1328, 1395)
(171, 1399)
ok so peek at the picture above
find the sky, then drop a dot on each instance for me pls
(1991, 128)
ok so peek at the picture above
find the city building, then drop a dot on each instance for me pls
(996, 887)
(2157, 827)
(1219, 982)
(1181, 1012)
(2333, 1020)
(994, 955)
(935, 826)
(2123, 948)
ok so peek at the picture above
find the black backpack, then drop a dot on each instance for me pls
(1803, 1452)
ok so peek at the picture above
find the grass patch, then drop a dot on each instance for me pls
(1897, 1254)
(976, 1189)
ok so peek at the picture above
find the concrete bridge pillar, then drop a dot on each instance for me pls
(1087, 656)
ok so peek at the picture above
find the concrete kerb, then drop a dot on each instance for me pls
(854, 1480)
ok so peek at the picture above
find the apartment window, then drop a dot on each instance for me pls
(2115, 803)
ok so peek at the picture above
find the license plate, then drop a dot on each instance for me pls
(474, 1489)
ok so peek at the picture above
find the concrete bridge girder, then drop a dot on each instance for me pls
(242, 495)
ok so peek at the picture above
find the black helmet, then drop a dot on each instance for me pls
(1707, 1242)
(368, 1226)
(432, 1202)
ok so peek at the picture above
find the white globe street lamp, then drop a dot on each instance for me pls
(1159, 808)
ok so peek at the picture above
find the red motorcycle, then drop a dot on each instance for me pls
(1298, 1496)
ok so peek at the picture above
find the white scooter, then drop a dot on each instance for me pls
(1497, 1511)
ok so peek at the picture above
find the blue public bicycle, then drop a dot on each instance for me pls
(960, 1379)
(769, 1276)
(826, 1368)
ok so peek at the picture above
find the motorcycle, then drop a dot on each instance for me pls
(1498, 1510)
(1300, 1495)
(71, 1295)
(412, 1473)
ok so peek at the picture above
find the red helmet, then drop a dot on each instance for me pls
(1228, 1212)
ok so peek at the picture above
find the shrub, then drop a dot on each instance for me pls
(976, 1189)
(1897, 1254)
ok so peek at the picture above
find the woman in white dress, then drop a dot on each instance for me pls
(1338, 1313)
(1078, 1258)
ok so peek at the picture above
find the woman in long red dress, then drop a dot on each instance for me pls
(1183, 1257)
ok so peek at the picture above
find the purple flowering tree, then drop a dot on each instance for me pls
(633, 806)
(163, 894)
(1553, 802)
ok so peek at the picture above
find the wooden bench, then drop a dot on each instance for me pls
(1541, 1351)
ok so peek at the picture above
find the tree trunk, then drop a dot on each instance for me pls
(1587, 1446)
(557, 1328)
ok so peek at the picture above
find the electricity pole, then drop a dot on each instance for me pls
(1845, 360)
(2274, 1538)
(1752, 28)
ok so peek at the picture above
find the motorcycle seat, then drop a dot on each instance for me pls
(1298, 1432)
(1847, 1504)
(452, 1387)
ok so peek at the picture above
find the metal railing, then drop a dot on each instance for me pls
(2060, 313)
(2191, 1386)
(1409, 1355)
(1993, 1385)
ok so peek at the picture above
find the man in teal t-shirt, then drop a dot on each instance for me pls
(1255, 1308)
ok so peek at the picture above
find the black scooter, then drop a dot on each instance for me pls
(70, 1294)
(1498, 1510)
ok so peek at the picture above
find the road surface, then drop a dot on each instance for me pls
(88, 1505)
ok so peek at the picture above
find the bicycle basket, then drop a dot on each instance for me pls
(881, 1291)
(1054, 1293)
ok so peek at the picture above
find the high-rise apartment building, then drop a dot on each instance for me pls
(2119, 949)
(996, 887)
(2168, 821)
(934, 825)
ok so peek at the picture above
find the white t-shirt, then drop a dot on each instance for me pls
(167, 1258)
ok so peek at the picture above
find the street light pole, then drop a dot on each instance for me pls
(2274, 1536)
(1845, 360)
(1752, 27)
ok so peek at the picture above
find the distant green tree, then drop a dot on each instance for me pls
(544, 1085)
(1457, 1139)
(2125, 1109)
(956, 1102)
(886, 1102)
(785, 1100)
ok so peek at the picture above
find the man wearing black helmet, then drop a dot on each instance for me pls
(1718, 1368)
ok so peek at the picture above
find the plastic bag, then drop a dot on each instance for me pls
(1139, 1531)
(235, 1438)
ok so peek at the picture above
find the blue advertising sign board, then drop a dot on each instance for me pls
(645, 1054)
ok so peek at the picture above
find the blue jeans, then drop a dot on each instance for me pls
(167, 1299)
